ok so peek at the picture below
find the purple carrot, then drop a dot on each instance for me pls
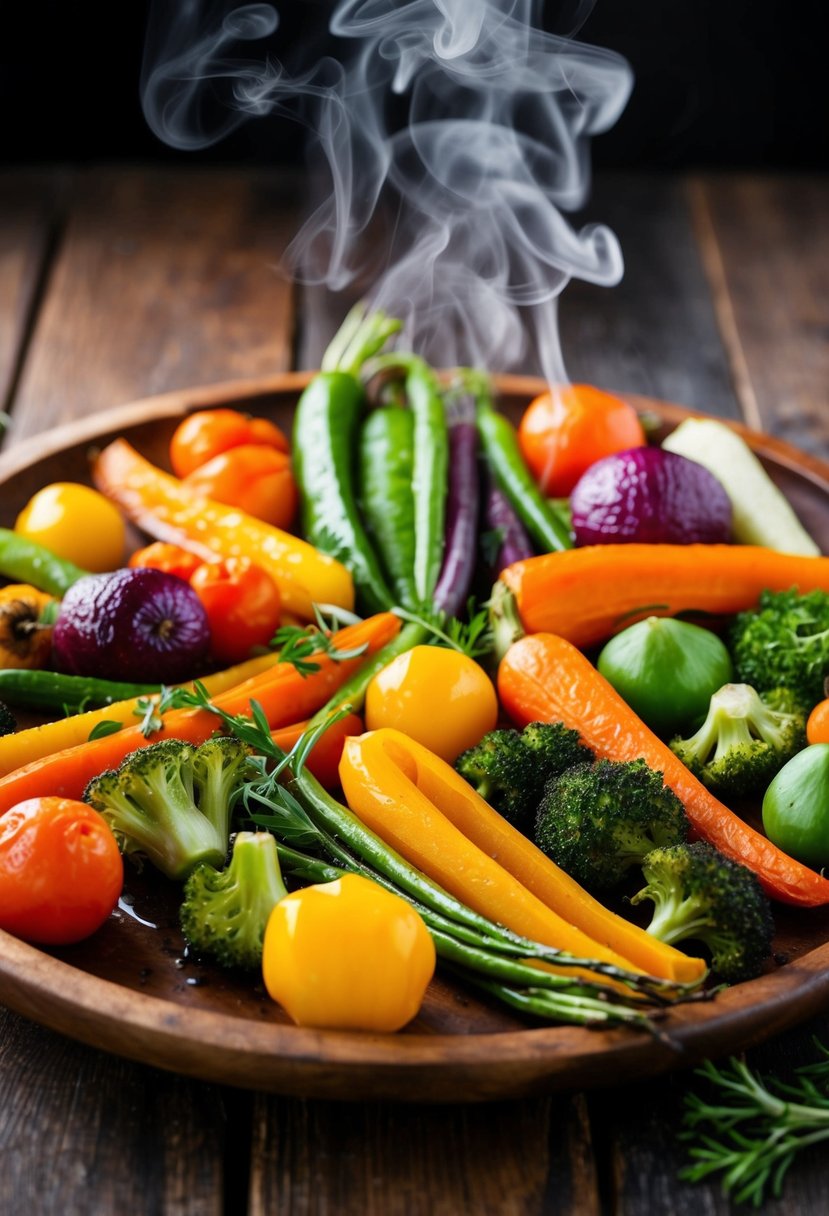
(460, 549)
(500, 519)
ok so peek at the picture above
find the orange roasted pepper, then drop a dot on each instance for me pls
(420, 806)
(347, 955)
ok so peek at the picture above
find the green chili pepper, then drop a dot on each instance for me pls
(430, 474)
(326, 420)
(386, 456)
(500, 444)
(25, 561)
(53, 690)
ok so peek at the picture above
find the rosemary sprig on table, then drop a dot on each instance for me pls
(754, 1127)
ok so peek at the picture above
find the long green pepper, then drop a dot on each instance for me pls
(325, 425)
(430, 473)
(25, 561)
(386, 461)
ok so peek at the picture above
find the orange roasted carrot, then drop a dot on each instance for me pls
(283, 693)
(543, 678)
(159, 504)
(379, 783)
(324, 758)
(584, 595)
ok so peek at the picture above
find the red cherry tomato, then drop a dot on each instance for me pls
(566, 430)
(169, 558)
(255, 479)
(242, 604)
(60, 871)
(205, 434)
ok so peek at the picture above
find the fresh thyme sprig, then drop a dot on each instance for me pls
(756, 1126)
(472, 637)
(150, 709)
(296, 644)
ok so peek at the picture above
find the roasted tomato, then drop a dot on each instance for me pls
(207, 433)
(170, 558)
(60, 871)
(256, 479)
(569, 428)
(242, 604)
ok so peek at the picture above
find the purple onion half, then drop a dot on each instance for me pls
(649, 496)
(135, 624)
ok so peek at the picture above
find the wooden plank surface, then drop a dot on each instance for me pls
(163, 280)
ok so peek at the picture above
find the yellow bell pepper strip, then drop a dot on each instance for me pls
(448, 791)
(38, 741)
(347, 955)
(379, 777)
(162, 506)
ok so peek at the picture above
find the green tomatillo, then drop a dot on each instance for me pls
(667, 671)
(796, 807)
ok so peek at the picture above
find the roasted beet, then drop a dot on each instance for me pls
(651, 496)
(135, 624)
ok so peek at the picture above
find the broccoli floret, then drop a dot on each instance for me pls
(597, 820)
(225, 912)
(509, 769)
(784, 643)
(745, 740)
(8, 722)
(162, 802)
(701, 896)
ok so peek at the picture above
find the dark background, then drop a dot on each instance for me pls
(719, 83)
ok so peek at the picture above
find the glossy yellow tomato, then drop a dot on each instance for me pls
(347, 955)
(439, 697)
(76, 523)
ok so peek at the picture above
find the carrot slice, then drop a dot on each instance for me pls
(283, 693)
(543, 678)
(586, 594)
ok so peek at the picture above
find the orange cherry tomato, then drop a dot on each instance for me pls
(60, 871)
(566, 430)
(817, 725)
(257, 480)
(242, 604)
(169, 558)
(205, 434)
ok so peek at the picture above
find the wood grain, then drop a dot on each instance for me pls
(29, 220)
(162, 280)
(87, 1133)
(766, 249)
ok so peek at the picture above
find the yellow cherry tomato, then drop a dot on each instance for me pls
(347, 955)
(439, 697)
(76, 523)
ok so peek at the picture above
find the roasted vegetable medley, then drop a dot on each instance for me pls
(305, 705)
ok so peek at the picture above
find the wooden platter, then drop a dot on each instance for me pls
(132, 990)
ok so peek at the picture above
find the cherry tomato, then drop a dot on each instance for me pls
(77, 523)
(439, 697)
(205, 434)
(169, 558)
(817, 726)
(257, 480)
(566, 430)
(242, 605)
(60, 871)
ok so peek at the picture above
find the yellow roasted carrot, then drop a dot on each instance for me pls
(379, 779)
(38, 741)
(160, 505)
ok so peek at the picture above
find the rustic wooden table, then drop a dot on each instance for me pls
(118, 284)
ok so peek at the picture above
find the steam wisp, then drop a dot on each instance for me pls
(495, 150)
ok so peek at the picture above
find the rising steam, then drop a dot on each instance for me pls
(495, 149)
